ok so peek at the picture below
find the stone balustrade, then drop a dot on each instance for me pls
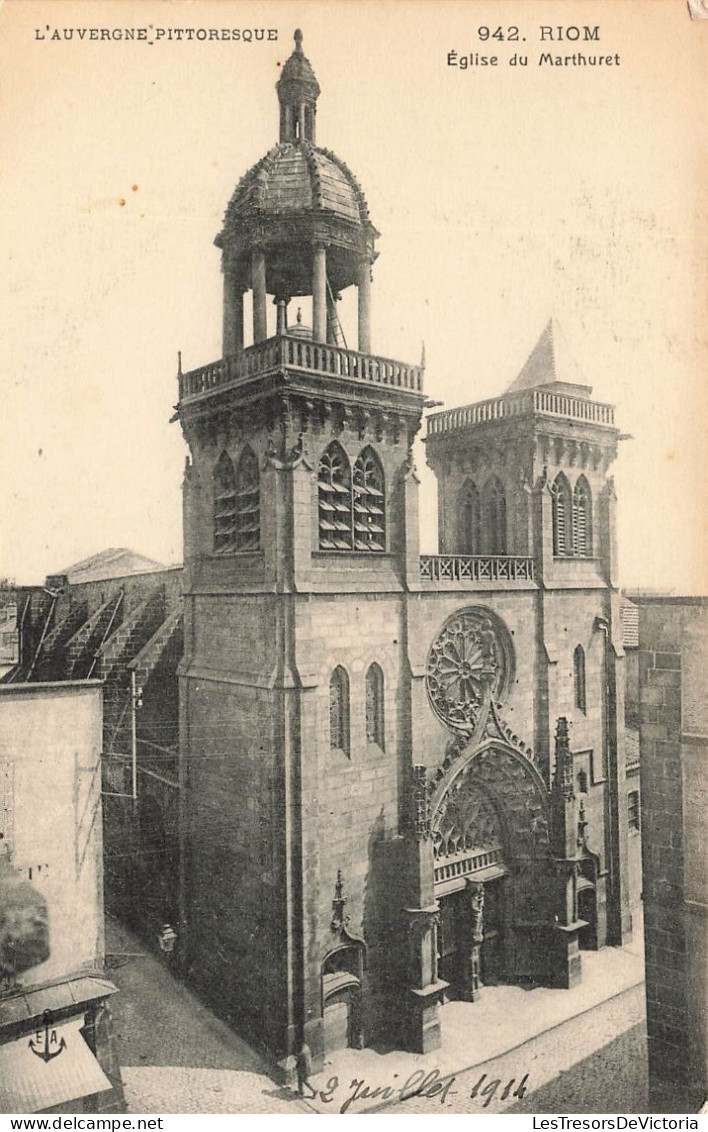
(524, 403)
(476, 568)
(289, 352)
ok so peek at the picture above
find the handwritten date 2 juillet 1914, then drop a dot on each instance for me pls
(426, 1084)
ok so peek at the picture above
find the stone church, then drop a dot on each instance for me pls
(402, 776)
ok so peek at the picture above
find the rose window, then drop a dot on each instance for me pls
(471, 653)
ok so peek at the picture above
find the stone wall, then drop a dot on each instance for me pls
(673, 638)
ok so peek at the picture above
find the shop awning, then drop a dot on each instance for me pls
(30, 1083)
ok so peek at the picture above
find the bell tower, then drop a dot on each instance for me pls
(525, 497)
(301, 532)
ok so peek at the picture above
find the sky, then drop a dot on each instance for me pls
(505, 195)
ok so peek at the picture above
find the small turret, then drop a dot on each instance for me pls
(298, 91)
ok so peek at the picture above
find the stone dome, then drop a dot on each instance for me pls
(297, 199)
(296, 177)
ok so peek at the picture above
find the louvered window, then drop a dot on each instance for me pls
(470, 520)
(224, 506)
(562, 533)
(334, 490)
(375, 706)
(351, 510)
(494, 517)
(339, 710)
(248, 502)
(369, 503)
(634, 821)
(579, 678)
(582, 519)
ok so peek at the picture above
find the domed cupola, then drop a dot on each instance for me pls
(297, 225)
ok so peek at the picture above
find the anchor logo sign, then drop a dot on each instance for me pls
(47, 1047)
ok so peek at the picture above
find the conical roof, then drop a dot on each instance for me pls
(549, 363)
(298, 69)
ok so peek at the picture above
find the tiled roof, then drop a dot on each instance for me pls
(548, 363)
(114, 563)
(296, 177)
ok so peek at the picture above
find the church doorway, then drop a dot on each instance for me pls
(587, 911)
(342, 973)
(471, 943)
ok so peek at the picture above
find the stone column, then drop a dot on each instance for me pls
(332, 321)
(319, 293)
(232, 342)
(424, 987)
(258, 273)
(281, 315)
(364, 287)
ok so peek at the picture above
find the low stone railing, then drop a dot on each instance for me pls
(476, 568)
(463, 864)
(521, 404)
(289, 352)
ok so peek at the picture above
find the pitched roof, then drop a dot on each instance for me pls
(113, 563)
(548, 363)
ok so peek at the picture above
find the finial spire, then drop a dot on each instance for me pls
(298, 91)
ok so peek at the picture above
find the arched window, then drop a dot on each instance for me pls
(582, 518)
(562, 532)
(494, 517)
(224, 505)
(334, 491)
(375, 706)
(339, 710)
(369, 503)
(470, 520)
(248, 502)
(579, 678)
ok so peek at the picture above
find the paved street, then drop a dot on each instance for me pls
(571, 1068)
(177, 1057)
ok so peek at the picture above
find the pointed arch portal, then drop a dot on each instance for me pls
(491, 860)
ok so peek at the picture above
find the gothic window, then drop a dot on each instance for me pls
(369, 503)
(224, 505)
(470, 520)
(248, 502)
(375, 706)
(562, 532)
(494, 517)
(334, 491)
(579, 678)
(582, 518)
(339, 710)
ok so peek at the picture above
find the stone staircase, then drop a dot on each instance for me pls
(134, 632)
(51, 662)
(168, 635)
(81, 648)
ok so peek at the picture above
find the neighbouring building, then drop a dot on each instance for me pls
(403, 776)
(9, 635)
(117, 617)
(673, 730)
(56, 1043)
(629, 613)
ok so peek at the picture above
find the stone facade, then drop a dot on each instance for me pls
(382, 803)
(673, 728)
